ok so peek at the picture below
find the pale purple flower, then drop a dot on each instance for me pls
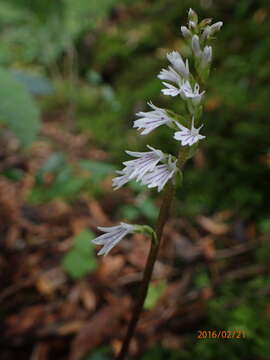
(137, 168)
(188, 136)
(112, 235)
(178, 64)
(194, 94)
(160, 175)
(150, 120)
(170, 75)
(170, 89)
(177, 74)
(122, 179)
(185, 90)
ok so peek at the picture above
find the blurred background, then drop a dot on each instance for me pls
(73, 74)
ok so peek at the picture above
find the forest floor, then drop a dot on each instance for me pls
(48, 315)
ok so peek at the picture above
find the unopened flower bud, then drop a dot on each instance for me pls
(192, 16)
(205, 22)
(196, 46)
(192, 24)
(206, 33)
(206, 56)
(211, 30)
(215, 27)
(187, 34)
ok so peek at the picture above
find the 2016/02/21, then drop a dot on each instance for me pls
(221, 334)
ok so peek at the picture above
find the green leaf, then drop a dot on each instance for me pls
(17, 109)
(154, 293)
(148, 209)
(129, 212)
(83, 244)
(81, 260)
(202, 280)
(99, 170)
(14, 174)
(84, 14)
(35, 83)
(66, 184)
(76, 265)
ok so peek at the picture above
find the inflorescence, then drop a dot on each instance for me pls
(154, 168)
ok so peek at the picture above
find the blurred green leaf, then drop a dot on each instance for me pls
(155, 291)
(264, 226)
(17, 109)
(85, 14)
(14, 174)
(35, 83)
(99, 354)
(53, 164)
(129, 212)
(82, 242)
(99, 170)
(148, 209)
(66, 184)
(80, 260)
(202, 279)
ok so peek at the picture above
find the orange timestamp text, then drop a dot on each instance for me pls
(221, 334)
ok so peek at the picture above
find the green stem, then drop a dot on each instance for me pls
(153, 253)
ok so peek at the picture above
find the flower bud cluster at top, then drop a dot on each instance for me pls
(155, 168)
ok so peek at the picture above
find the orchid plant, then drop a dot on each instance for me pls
(157, 169)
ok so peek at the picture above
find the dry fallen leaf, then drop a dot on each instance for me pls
(212, 226)
(87, 296)
(109, 270)
(50, 281)
(26, 320)
(102, 325)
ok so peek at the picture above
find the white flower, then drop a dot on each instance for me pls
(150, 120)
(112, 236)
(187, 92)
(136, 169)
(195, 44)
(188, 136)
(178, 63)
(160, 175)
